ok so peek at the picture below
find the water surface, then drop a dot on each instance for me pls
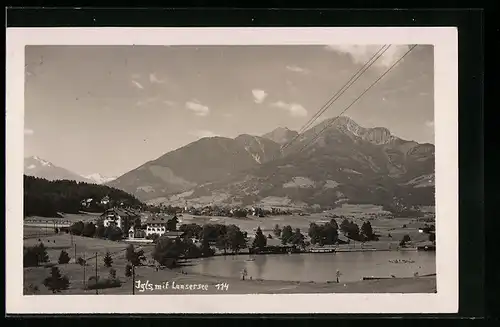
(318, 267)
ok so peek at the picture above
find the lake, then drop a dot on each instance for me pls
(318, 267)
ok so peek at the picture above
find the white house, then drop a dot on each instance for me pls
(158, 225)
(116, 217)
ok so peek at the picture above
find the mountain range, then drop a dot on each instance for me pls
(333, 162)
(38, 167)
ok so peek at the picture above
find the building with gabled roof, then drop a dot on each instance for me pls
(158, 224)
(117, 216)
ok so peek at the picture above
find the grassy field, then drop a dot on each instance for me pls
(85, 248)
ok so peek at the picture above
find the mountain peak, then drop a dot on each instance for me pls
(38, 167)
(34, 160)
(375, 135)
(99, 179)
(281, 135)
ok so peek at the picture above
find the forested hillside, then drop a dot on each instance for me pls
(47, 198)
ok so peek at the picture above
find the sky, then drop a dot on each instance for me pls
(108, 110)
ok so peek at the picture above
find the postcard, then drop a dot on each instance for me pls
(232, 170)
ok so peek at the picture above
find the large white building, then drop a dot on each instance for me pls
(158, 225)
(117, 216)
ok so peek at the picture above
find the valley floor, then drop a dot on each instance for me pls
(34, 276)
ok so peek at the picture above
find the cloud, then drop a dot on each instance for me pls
(154, 79)
(196, 107)
(169, 103)
(137, 84)
(28, 131)
(259, 95)
(297, 69)
(429, 123)
(360, 54)
(203, 133)
(295, 109)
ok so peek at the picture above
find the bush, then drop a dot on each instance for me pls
(31, 289)
(89, 230)
(113, 233)
(102, 283)
(34, 256)
(55, 282)
(81, 262)
(135, 257)
(112, 274)
(404, 240)
(63, 257)
(77, 228)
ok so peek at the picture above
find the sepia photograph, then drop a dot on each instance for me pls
(227, 169)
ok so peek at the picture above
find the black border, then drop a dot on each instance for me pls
(471, 70)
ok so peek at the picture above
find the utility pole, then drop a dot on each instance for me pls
(75, 248)
(96, 289)
(133, 280)
(84, 264)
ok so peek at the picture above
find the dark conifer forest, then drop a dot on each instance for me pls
(48, 198)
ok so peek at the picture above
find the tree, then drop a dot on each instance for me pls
(128, 270)
(77, 228)
(134, 257)
(112, 274)
(286, 233)
(55, 282)
(172, 223)
(113, 233)
(108, 260)
(236, 238)
(167, 251)
(81, 261)
(191, 230)
(35, 255)
(277, 230)
(223, 242)
(367, 231)
(345, 226)
(42, 254)
(137, 223)
(297, 238)
(63, 257)
(89, 229)
(100, 230)
(329, 234)
(191, 250)
(314, 233)
(206, 250)
(404, 240)
(353, 231)
(260, 240)
(334, 224)
(30, 258)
